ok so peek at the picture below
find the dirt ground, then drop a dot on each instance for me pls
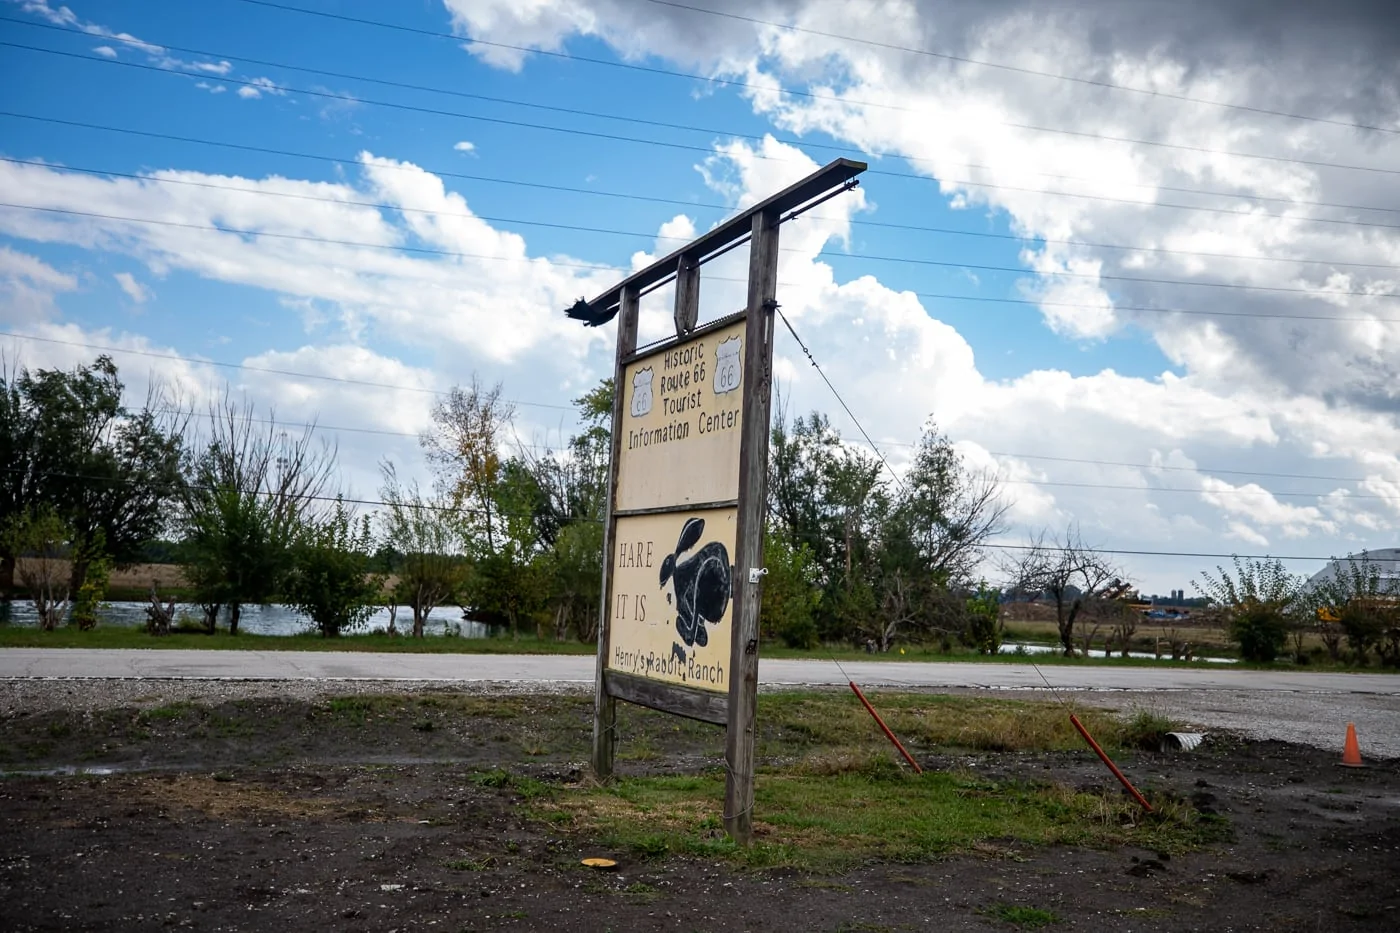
(334, 813)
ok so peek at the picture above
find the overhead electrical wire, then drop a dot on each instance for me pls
(255, 369)
(347, 202)
(447, 173)
(810, 144)
(351, 500)
(806, 352)
(1056, 273)
(1018, 69)
(730, 82)
(433, 111)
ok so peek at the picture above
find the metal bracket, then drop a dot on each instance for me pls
(756, 574)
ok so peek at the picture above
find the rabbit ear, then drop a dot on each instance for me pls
(690, 535)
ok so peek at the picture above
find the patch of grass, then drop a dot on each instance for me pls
(170, 711)
(830, 821)
(839, 726)
(1026, 918)
(1146, 729)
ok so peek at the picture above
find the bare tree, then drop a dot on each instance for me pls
(246, 496)
(1068, 573)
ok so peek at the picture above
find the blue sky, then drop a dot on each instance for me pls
(169, 102)
(1080, 377)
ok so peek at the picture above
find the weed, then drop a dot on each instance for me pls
(1027, 918)
(639, 887)
(495, 778)
(59, 730)
(472, 864)
(651, 846)
(1146, 730)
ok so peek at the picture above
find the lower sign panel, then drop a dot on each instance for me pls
(670, 618)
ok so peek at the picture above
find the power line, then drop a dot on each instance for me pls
(1196, 469)
(810, 144)
(930, 295)
(691, 204)
(1092, 82)
(1145, 553)
(255, 369)
(300, 237)
(856, 421)
(809, 94)
(1056, 273)
(379, 205)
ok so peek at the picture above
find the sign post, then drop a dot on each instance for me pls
(683, 538)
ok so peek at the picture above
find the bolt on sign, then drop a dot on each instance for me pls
(683, 538)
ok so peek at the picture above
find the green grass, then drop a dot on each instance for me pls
(1027, 918)
(873, 812)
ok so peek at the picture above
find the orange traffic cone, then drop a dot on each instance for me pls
(1351, 752)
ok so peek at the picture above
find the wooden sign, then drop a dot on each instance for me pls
(683, 539)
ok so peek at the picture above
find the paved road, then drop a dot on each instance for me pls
(1290, 706)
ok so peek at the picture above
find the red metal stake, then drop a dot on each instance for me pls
(888, 734)
(1111, 766)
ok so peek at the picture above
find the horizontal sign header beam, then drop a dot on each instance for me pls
(833, 175)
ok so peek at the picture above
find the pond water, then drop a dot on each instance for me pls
(1054, 649)
(270, 620)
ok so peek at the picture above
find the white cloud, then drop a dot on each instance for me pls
(28, 287)
(211, 88)
(134, 289)
(1247, 393)
(465, 146)
(157, 55)
(258, 88)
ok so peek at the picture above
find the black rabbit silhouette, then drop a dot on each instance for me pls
(702, 583)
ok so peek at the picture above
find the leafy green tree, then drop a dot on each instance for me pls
(985, 631)
(69, 442)
(246, 497)
(330, 579)
(88, 598)
(43, 541)
(1262, 603)
(791, 593)
(425, 530)
(573, 484)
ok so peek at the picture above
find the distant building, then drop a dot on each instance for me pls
(1385, 560)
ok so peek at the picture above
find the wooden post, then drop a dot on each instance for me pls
(604, 705)
(753, 491)
(687, 311)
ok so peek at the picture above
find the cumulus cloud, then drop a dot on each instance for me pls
(1300, 395)
(1140, 458)
(465, 146)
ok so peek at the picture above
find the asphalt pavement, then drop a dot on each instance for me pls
(1313, 708)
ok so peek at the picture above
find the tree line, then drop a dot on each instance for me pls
(511, 533)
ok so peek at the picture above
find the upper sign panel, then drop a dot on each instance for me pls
(681, 421)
